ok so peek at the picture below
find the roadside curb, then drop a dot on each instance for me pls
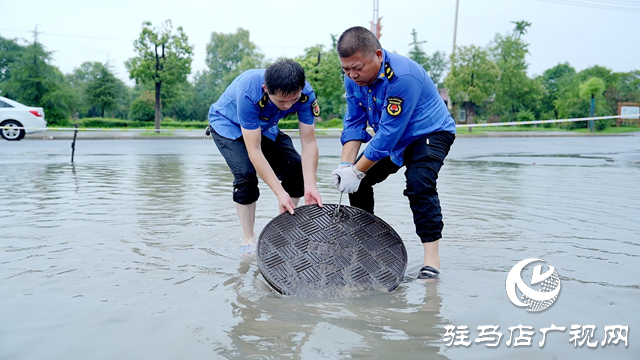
(199, 135)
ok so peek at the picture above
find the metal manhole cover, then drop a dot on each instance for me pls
(313, 252)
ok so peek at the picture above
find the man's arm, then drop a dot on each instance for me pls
(350, 151)
(252, 140)
(309, 163)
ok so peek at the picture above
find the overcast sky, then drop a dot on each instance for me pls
(581, 32)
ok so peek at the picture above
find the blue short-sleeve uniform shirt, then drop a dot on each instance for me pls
(401, 105)
(245, 104)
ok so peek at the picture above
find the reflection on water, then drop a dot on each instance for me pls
(132, 253)
(273, 326)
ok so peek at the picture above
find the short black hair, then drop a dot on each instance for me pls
(357, 39)
(285, 76)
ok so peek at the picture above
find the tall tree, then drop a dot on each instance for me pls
(435, 65)
(416, 53)
(553, 80)
(626, 88)
(79, 80)
(515, 91)
(104, 89)
(322, 69)
(164, 58)
(569, 103)
(35, 82)
(230, 54)
(589, 90)
(10, 51)
(472, 77)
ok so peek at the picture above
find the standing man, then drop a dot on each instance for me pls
(412, 126)
(243, 123)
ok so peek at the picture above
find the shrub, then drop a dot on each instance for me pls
(333, 123)
(288, 124)
(293, 124)
(143, 108)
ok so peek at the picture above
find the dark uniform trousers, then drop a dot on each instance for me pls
(280, 154)
(423, 159)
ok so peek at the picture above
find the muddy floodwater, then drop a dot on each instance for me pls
(132, 253)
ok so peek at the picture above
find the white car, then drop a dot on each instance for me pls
(16, 119)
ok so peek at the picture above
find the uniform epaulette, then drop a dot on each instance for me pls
(388, 72)
(263, 100)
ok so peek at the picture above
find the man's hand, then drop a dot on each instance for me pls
(336, 178)
(285, 203)
(348, 181)
(312, 196)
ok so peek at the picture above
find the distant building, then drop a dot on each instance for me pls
(444, 94)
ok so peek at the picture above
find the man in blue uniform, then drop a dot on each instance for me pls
(412, 126)
(243, 123)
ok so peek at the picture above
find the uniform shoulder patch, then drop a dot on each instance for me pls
(315, 108)
(263, 100)
(388, 71)
(394, 106)
(303, 98)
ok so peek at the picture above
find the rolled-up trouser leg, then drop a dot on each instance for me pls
(245, 180)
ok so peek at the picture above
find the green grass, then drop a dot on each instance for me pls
(110, 123)
(153, 133)
(510, 128)
(515, 128)
(611, 130)
(288, 124)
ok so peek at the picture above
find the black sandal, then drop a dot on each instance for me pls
(428, 272)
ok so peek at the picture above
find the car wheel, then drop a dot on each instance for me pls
(10, 130)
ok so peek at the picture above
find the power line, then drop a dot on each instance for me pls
(620, 5)
(67, 35)
(576, 59)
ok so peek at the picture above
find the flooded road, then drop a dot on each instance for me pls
(132, 252)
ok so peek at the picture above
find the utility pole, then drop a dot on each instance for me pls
(374, 23)
(455, 30)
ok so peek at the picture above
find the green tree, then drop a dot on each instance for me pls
(143, 107)
(589, 90)
(472, 78)
(78, 81)
(104, 89)
(416, 53)
(322, 70)
(436, 65)
(10, 52)
(553, 80)
(205, 93)
(592, 87)
(183, 106)
(515, 91)
(569, 103)
(35, 82)
(164, 58)
(439, 63)
(625, 89)
(228, 55)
